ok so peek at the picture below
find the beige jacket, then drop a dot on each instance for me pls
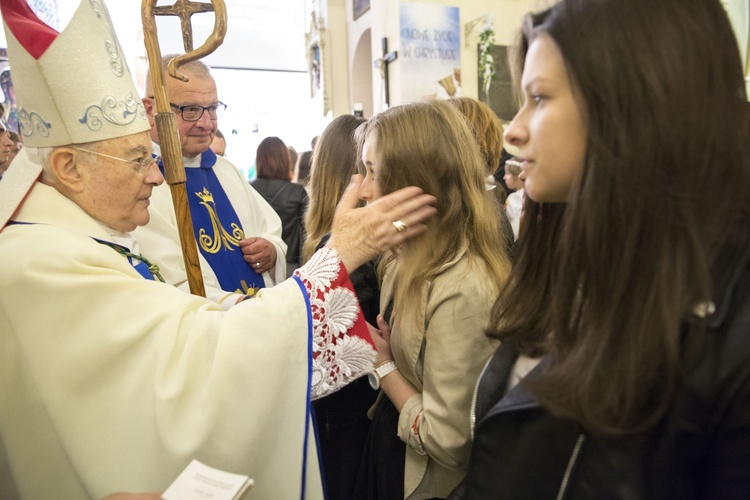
(442, 359)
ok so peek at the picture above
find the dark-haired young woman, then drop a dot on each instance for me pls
(632, 279)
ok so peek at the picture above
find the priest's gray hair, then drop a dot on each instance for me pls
(44, 155)
(196, 68)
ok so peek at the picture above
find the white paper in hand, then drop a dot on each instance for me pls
(201, 482)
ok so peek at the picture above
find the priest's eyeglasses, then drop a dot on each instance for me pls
(193, 112)
(140, 165)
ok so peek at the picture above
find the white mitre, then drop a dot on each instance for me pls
(71, 87)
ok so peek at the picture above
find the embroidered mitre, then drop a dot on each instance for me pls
(71, 87)
(74, 86)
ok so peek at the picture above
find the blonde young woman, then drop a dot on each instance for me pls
(436, 295)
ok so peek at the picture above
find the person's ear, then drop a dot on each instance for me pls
(66, 168)
(149, 104)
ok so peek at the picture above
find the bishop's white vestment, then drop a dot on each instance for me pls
(112, 382)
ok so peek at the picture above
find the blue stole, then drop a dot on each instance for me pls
(142, 269)
(217, 228)
(309, 414)
(140, 266)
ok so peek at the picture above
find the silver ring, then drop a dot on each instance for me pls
(400, 225)
(257, 265)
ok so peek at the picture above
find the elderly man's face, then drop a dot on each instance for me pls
(113, 191)
(195, 137)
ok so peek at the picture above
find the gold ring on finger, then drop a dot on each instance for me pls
(400, 225)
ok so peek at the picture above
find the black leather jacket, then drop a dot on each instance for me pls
(289, 200)
(700, 449)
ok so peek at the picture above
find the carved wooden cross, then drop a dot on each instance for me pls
(382, 63)
(184, 9)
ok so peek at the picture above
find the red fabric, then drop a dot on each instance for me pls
(30, 31)
(360, 326)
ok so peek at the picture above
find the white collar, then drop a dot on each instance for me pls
(188, 162)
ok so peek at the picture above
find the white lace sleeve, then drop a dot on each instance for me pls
(338, 356)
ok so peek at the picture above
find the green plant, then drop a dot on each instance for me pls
(486, 61)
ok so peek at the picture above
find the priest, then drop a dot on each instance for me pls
(238, 233)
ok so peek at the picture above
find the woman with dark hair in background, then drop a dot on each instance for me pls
(289, 200)
(632, 279)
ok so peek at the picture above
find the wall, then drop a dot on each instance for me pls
(383, 21)
(739, 14)
(336, 40)
(360, 46)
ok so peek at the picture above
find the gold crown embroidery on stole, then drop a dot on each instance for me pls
(212, 242)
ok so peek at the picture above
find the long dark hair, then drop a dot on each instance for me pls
(601, 283)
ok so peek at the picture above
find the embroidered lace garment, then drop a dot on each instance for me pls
(342, 347)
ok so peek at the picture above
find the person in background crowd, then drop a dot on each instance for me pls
(289, 200)
(219, 144)
(335, 165)
(514, 203)
(304, 162)
(488, 132)
(8, 147)
(292, 156)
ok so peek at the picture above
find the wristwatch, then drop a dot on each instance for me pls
(381, 371)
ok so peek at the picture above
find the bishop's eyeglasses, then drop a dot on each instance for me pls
(140, 165)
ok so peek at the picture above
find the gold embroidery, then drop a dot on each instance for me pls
(250, 291)
(221, 237)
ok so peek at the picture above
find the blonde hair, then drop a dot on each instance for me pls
(486, 127)
(429, 145)
(333, 164)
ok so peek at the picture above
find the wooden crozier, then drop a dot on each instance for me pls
(166, 123)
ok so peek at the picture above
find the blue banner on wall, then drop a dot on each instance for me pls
(430, 51)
